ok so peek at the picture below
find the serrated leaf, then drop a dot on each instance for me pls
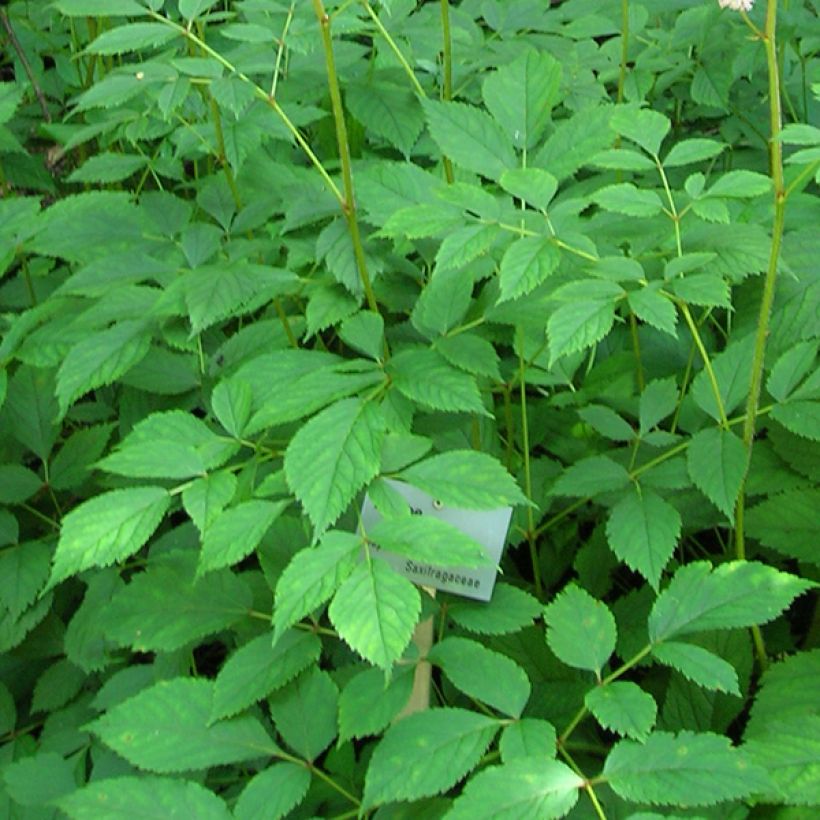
(108, 167)
(735, 594)
(332, 457)
(470, 137)
(699, 665)
(787, 522)
(643, 126)
(509, 610)
(424, 376)
(732, 370)
(38, 779)
(622, 159)
(101, 359)
(707, 289)
(686, 769)
(463, 245)
(172, 444)
(526, 263)
(231, 402)
(654, 309)
(132, 37)
(368, 702)
(533, 185)
(258, 668)
(790, 368)
(799, 417)
(166, 728)
(163, 608)
(364, 332)
(90, 8)
(528, 737)
(626, 198)
(426, 753)
(717, 461)
(623, 707)
(658, 400)
(607, 422)
(57, 686)
(470, 352)
(429, 540)
(312, 576)
(642, 530)
(305, 712)
(483, 674)
(465, 478)
(375, 611)
(206, 497)
(107, 528)
(740, 184)
(528, 787)
(23, 572)
(388, 111)
(236, 532)
(521, 94)
(590, 476)
(692, 150)
(580, 630)
(273, 792)
(576, 141)
(586, 316)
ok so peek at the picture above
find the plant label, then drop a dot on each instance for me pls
(488, 527)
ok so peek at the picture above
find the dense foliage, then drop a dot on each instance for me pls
(262, 257)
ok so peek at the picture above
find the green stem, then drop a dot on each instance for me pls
(280, 51)
(624, 48)
(447, 85)
(525, 446)
(636, 347)
(395, 49)
(349, 202)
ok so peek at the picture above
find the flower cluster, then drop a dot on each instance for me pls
(737, 5)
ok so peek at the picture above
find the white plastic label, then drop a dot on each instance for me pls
(488, 527)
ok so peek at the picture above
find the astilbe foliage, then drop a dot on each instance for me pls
(261, 260)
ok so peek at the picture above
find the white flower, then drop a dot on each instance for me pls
(737, 5)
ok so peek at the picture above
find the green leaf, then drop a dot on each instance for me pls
(483, 674)
(580, 630)
(443, 302)
(425, 754)
(590, 476)
(533, 185)
(57, 686)
(108, 167)
(642, 530)
(429, 540)
(107, 528)
(32, 410)
(526, 263)
(787, 522)
(469, 137)
(215, 292)
(273, 792)
(206, 497)
(732, 370)
(388, 111)
(424, 376)
(586, 316)
(707, 289)
(692, 150)
(368, 702)
(332, 457)
(235, 533)
(470, 352)
(699, 665)
(654, 309)
(72, 464)
(686, 769)
(643, 126)
(528, 737)
(658, 400)
(799, 417)
(172, 444)
(465, 478)
(364, 332)
(528, 787)
(100, 359)
(231, 402)
(790, 368)
(717, 461)
(622, 159)
(166, 728)
(607, 422)
(740, 184)
(23, 572)
(39, 779)
(509, 610)
(18, 483)
(305, 712)
(258, 668)
(312, 576)
(375, 611)
(91, 8)
(521, 95)
(626, 198)
(737, 594)
(131, 37)
(623, 707)
(575, 141)
(135, 798)
(163, 608)
(462, 246)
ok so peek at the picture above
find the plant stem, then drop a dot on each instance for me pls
(624, 48)
(349, 202)
(447, 85)
(395, 49)
(15, 44)
(525, 446)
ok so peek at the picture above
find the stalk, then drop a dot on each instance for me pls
(624, 48)
(447, 86)
(349, 202)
